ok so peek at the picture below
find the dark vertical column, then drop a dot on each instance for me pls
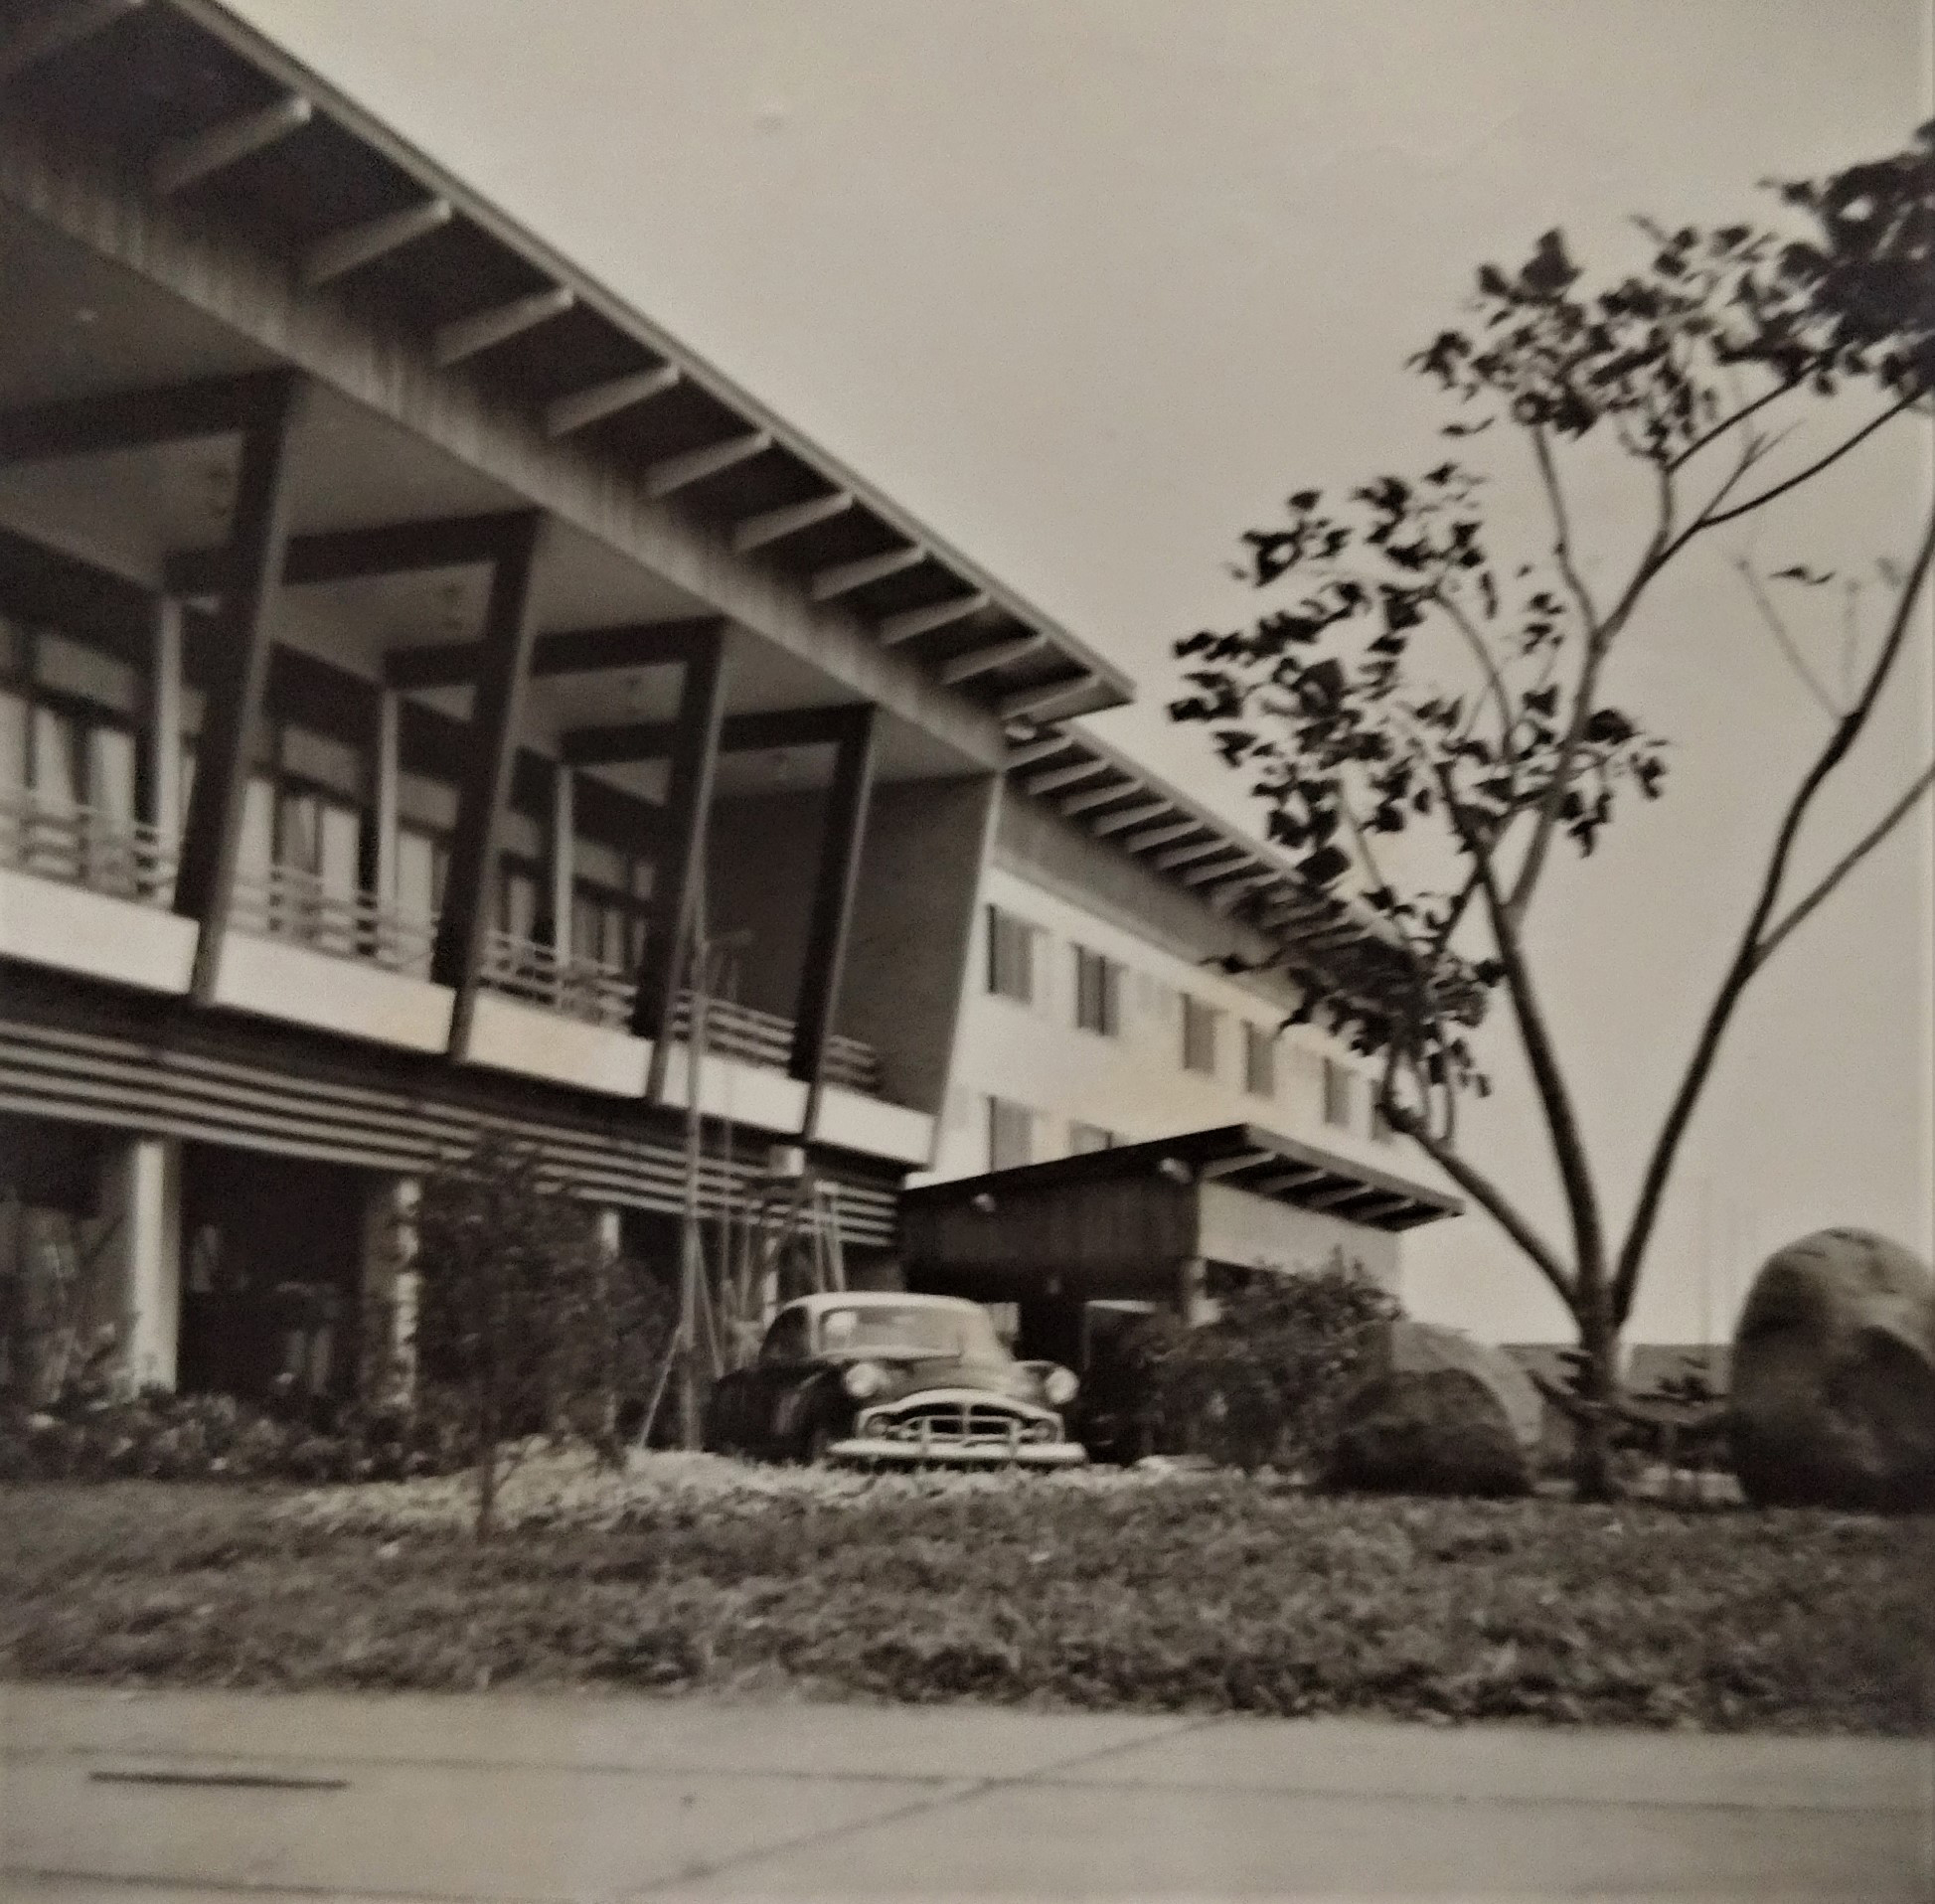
(678, 867)
(239, 645)
(463, 925)
(833, 905)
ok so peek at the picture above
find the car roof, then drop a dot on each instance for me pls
(875, 1299)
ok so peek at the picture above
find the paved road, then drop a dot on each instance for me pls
(140, 1799)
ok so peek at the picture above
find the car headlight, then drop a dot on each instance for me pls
(1059, 1386)
(863, 1379)
(877, 1427)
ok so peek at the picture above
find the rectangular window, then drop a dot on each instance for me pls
(1199, 1036)
(1337, 1094)
(1259, 1061)
(1083, 1138)
(1011, 956)
(1010, 1133)
(1098, 992)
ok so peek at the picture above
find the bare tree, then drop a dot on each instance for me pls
(1423, 679)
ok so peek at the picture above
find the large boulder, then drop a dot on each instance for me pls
(1834, 1377)
(1438, 1430)
(1418, 1346)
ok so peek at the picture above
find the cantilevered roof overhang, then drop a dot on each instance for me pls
(1244, 1156)
(468, 325)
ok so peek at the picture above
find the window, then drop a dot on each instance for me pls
(1337, 1094)
(1259, 1061)
(1011, 956)
(1010, 1133)
(789, 1339)
(1198, 1036)
(1098, 992)
(1083, 1138)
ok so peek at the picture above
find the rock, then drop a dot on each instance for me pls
(1438, 1431)
(1834, 1377)
(1417, 1346)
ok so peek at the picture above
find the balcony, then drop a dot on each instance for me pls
(593, 993)
(83, 892)
(79, 845)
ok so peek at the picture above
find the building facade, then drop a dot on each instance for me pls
(426, 690)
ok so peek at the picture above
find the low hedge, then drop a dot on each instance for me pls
(1183, 1592)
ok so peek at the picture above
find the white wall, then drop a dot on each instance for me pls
(1132, 1084)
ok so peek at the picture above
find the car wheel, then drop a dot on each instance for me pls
(815, 1441)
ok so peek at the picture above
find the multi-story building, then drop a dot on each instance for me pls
(408, 654)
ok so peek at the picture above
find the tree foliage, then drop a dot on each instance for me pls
(1266, 1383)
(1427, 707)
(527, 1325)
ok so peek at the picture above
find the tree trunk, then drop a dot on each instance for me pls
(1594, 1478)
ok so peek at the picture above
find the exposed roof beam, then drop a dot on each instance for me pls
(1379, 1204)
(1162, 836)
(771, 524)
(355, 245)
(923, 621)
(984, 661)
(646, 644)
(1232, 1166)
(580, 410)
(1333, 1195)
(184, 162)
(1050, 694)
(1128, 816)
(1059, 777)
(1232, 889)
(1287, 1180)
(467, 337)
(1215, 869)
(671, 474)
(740, 733)
(130, 419)
(56, 28)
(1095, 797)
(1198, 850)
(391, 549)
(842, 579)
(1032, 752)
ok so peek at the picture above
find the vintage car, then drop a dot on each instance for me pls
(892, 1380)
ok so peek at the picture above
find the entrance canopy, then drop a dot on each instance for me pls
(1122, 1222)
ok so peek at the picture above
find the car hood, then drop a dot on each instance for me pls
(908, 1375)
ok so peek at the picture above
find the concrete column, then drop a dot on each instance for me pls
(383, 790)
(1192, 1301)
(164, 736)
(141, 1199)
(564, 828)
(389, 1288)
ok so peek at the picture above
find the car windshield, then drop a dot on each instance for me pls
(930, 1328)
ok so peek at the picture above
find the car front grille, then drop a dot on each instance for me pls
(944, 1420)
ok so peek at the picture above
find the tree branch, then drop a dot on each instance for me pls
(1708, 519)
(1750, 953)
(1772, 616)
(1716, 431)
(1846, 865)
(1484, 1192)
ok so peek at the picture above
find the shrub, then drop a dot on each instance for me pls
(527, 1325)
(1266, 1382)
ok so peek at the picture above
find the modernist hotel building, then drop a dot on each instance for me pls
(403, 642)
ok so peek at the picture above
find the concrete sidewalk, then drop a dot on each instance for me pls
(178, 1795)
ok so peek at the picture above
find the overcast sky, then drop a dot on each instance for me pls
(1091, 284)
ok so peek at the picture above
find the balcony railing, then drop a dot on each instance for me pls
(286, 902)
(601, 994)
(81, 845)
(579, 988)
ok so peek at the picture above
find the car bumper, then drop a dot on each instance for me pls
(872, 1451)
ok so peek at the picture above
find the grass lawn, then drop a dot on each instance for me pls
(1186, 1591)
